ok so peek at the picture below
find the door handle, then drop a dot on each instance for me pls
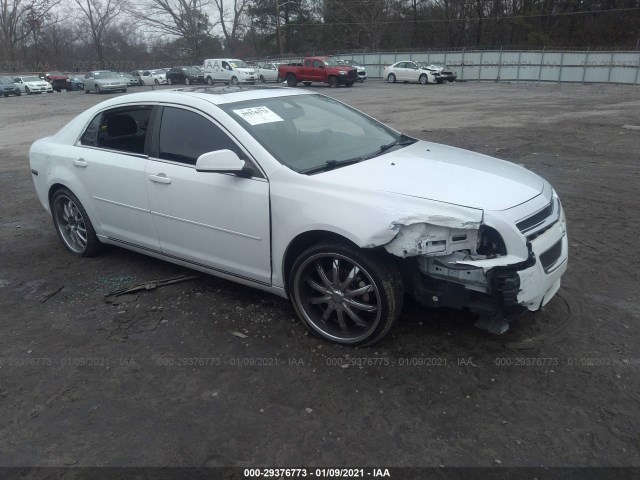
(80, 162)
(160, 178)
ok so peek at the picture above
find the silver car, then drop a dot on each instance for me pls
(104, 81)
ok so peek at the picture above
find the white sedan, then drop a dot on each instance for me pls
(408, 71)
(302, 196)
(32, 84)
(150, 77)
(268, 73)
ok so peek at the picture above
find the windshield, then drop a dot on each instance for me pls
(330, 62)
(158, 72)
(31, 79)
(238, 64)
(307, 131)
(105, 75)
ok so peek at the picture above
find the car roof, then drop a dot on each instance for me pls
(215, 95)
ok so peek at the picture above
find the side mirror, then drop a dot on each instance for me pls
(220, 161)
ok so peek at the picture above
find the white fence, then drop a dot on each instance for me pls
(525, 65)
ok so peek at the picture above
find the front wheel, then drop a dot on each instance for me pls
(73, 224)
(98, 91)
(391, 78)
(292, 81)
(262, 79)
(345, 295)
(27, 91)
(423, 79)
(209, 81)
(234, 81)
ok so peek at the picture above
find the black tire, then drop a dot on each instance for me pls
(234, 81)
(170, 81)
(358, 316)
(333, 82)
(98, 91)
(423, 79)
(391, 78)
(86, 91)
(18, 93)
(27, 91)
(262, 79)
(72, 222)
(156, 81)
(349, 84)
(209, 81)
(292, 81)
(307, 84)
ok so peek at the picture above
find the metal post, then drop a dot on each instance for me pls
(518, 71)
(480, 65)
(445, 58)
(379, 64)
(462, 73)
(499, 64)
(586, 64)
(541, 63)
(610, 68)
(561, 63)
(638, 71)
(429, 56)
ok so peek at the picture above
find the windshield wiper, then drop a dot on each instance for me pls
(401, 141)
(330, 165)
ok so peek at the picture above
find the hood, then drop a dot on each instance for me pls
(111, 81)
(58, 77)
(445, 174)
(248, 70)
(37, 83)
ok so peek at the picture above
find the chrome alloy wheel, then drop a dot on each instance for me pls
(337, 297)
(71, 224)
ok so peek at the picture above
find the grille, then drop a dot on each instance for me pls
(549, 258)
(536, 219)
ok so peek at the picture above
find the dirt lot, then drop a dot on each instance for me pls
(87, 383)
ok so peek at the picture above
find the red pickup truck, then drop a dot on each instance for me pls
(318, 69)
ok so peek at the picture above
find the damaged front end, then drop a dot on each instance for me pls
(475, 267)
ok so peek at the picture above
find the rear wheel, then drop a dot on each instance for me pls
(391, 78)
(345, 295)
(262, 79)
(423, 79)
(333, 82)
(27, 91)
(234, 81)
(209, 81)
(292, 81)
(73, 224)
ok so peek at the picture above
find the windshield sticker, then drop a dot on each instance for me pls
(258, 115)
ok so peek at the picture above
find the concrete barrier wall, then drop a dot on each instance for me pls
(515, 66)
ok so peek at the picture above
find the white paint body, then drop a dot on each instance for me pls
(408, 71)
(36, 86)
(167, 210)
(225, 70)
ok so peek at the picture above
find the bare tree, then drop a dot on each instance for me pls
(97, 17)
(19, 19)
(184, 19)
(231, 16)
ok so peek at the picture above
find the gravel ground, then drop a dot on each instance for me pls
(158, 379)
